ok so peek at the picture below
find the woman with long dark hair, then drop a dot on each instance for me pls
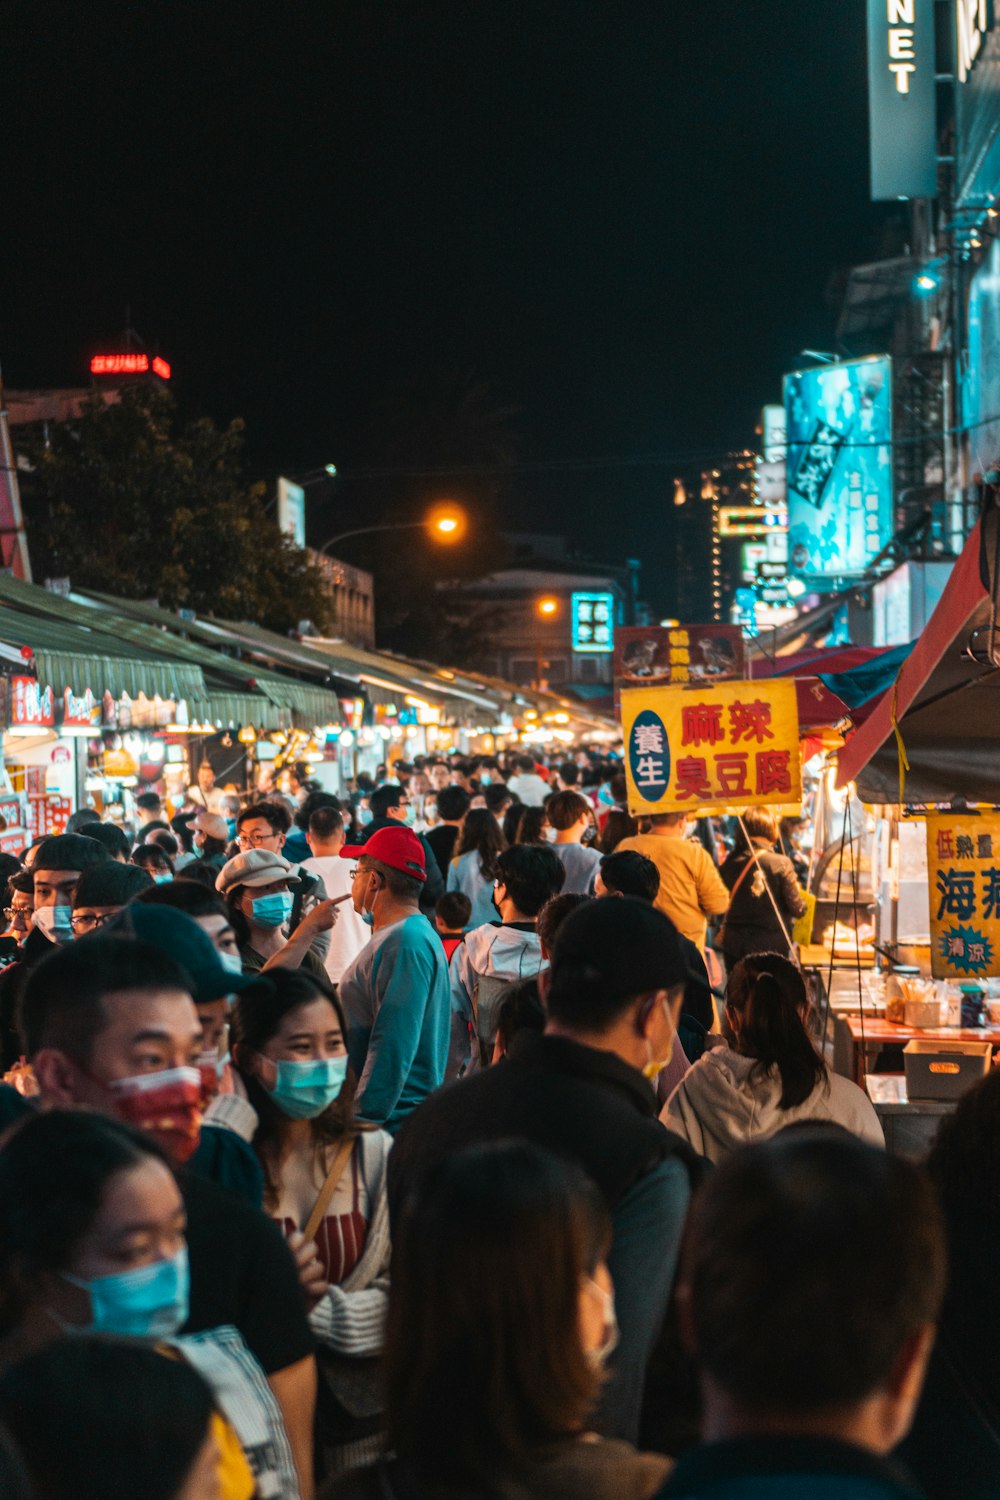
(474, 866)
(769, 1075)
(500, 1317)
(325, 1182)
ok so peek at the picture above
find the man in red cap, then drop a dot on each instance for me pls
(395, 994)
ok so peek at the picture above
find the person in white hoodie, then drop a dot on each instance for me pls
(499, 953)
(770, 1076)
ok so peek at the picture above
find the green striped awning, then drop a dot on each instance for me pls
(117, 675)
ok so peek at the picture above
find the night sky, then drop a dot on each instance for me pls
(620, 218)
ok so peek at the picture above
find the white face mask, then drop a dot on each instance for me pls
(609, 1340)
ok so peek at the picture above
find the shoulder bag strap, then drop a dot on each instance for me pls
(742, 876)
(327, 1190)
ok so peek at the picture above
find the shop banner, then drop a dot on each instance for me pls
(711, 748)
(31, 707)
(963, 873)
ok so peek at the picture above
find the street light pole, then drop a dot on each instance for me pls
(365, 530)
(445, 526)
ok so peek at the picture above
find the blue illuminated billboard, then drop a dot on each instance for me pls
(839, 422)
(593, 622)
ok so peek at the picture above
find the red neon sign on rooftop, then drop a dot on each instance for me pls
(129, 364)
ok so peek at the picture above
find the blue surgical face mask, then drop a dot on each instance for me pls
(231, 962)
(303, 1090)
(272, 911)
(411, 816)
(368, 917)
(365, 816)
(151, 1302)
(55, 921)
(162, 879)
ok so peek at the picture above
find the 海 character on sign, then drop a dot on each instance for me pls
(964, 847)
(692, 777)
(991, 893)
(958, 894)
(773, 772)
(648, 739)
(749, 721)
(701, 724)
(731, 771)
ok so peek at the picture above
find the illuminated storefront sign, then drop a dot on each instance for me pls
(593, 622)
(750, 520)
(971, 25)
(711, 748)
(839, 468)
(901, 97)
(129, 364)
(31, 706)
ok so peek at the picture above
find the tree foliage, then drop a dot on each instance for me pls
(127, 501)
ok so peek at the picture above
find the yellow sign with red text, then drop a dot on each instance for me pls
(711, 748)
(963, 875)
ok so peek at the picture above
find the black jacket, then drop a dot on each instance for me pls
(35, 947)
(751, 924)
(577, 1101)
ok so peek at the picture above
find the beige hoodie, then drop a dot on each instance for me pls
(725, 1101)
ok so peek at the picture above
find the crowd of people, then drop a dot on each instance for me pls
(461, 1136)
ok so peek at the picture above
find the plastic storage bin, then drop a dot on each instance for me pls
(944, 1070)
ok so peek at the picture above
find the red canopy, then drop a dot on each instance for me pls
(946, 704)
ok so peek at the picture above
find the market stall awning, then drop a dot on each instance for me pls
(66, 656)
(835, 683)
(944, 702)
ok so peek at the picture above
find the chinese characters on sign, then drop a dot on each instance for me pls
(963, 871)
(707, 748)
(655, 655)
(593, 622)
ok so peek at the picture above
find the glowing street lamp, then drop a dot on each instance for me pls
(548, 607)
(443, 523)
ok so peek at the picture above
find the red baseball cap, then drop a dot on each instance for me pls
(399, 848)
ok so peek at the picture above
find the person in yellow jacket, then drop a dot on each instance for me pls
(691, 888)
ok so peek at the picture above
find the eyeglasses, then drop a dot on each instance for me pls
(87, 921)
(13, 912)
(254, 840)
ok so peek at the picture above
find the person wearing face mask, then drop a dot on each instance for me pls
(613, 995)
(325, 1178)
(391, 806)
(395, 993)
(258, 890)
(494, 956)
(109, 1024)
(92, 1241)
(56, 866)
(216, 978)
(691, 890)
(572, 817)
(210, 837)
(264, 827)
(473, 869)
(540, 1331)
